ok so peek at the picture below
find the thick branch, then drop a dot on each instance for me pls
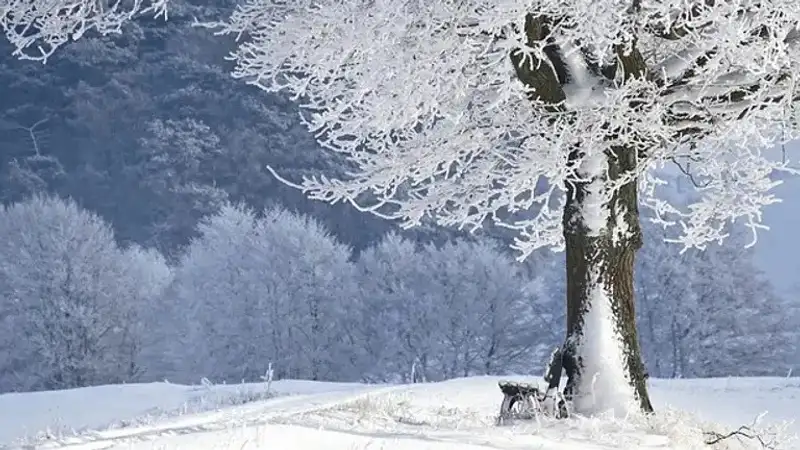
(631, 61)
(683, 25)
(722, 107)
(702, 105)
(688, 60)
(543, 76)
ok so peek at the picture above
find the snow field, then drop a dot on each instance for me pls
(41, 415)
(457, 414)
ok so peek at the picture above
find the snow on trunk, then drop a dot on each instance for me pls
(605, 384)
(594, 210)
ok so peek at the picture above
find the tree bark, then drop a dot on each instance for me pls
(610, 254)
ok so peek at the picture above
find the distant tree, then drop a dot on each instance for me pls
(711, 313)
(256, 289)
(180, 173)
(26, 165)
(29, 176)
(400, 319)
(70, 298)
(459, 309)
(146, 279)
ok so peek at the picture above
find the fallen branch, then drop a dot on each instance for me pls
(769, 438)
(742, 432)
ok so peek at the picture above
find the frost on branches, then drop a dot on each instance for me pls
(548, 117)
(37, 28)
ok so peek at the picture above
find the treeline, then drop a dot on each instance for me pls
(256, 288)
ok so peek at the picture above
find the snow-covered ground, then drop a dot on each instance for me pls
(457, 414)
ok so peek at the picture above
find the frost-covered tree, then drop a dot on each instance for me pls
(145, 281)
(37, 28)
(400, 310)
(459, 309)
(471, 111)
(259, 289)
(711, 313)
(70, 298)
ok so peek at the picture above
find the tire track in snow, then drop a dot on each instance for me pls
(259, 413)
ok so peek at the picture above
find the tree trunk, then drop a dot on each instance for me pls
(603, 259)
(598, 256)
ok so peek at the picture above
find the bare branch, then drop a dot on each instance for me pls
(687, 171)
(32, 133)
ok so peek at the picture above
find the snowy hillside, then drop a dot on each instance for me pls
(458, 414)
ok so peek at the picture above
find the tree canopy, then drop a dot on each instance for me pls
(424, 100)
